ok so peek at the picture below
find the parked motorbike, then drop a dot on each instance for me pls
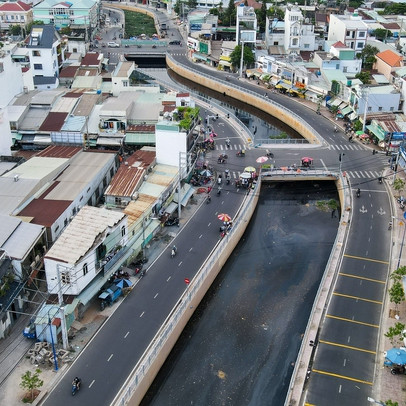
(240, 153)
(172, 222)
(142, 274)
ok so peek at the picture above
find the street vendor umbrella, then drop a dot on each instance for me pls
(245, 175)
(396, 356)
(249, 169)
(360, 132)
(262, 159)
(206, 172)
(224, 217)
(123, 283)
(307, 159)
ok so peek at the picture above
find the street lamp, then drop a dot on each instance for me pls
(52, 341)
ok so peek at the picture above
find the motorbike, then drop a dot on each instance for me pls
(75, 387)
(219, 191)
(173, 252)
(221, 161)
(172, 222)
(142, 274)
(208, 200)
(358, 192)
(228, 180)
(219, 179)
(380, 179)
(269, 154)
(240, 153)
(228, 143)
(335, 129)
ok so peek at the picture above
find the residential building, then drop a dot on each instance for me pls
(275, 36)
(387, 62)
(299, 34)
(46, 56)
(350, 30)
(349, 64)
(246, 25)
(15, 13)
(78, 178)
(79, 13)
(80, 254)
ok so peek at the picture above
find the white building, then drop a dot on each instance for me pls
(246, 24)
(299, 34)
(46, 56)
(79, 253)
(350, 30)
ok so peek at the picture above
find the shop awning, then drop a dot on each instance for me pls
(336, 103)
(283, 85)
(198, 56)
(42, 139)
(225, 63)
(346, 111)
(109, 141)
(274, 80)
(374, 129)
(343, 105)
(185, 194)
(353, 116)
(171, 208)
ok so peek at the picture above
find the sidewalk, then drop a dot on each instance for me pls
(13, 360)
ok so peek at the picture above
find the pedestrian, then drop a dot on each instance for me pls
(333, 213)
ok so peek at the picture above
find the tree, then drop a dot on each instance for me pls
(396, 293)
(36, 22)
(15, 30)
(398, 274)
(398, 184)
(192, 4)
(230, 14)
(368, 56)
(31, 381)
(276, 12)
(364, 77)
(391, 403)
(261, 16)
(382, 34)
(395, 333)
(236, 56)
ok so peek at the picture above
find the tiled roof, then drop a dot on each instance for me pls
(140, 128)
(17, 6)
(68, 72)
(390, 26)
(390, 58)
(91, 59)
(339, 44)
(53, 122)
(183, 95)
(59, 151)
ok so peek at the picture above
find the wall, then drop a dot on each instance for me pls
(280, 113)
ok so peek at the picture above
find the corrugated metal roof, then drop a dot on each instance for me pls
(64, 105)
(53, 122)
(59, 151)
(75, 123)
(135, 209)
(86, 229)
(86, 104)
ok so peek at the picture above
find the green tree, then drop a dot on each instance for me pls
(364, 77)
(236, 56)
(395, 9)
(230, 14)
(368, 56)
(31, 381)
(382, 34)
(36, 22)
(15, 30)
(396, 294)
(276, 12)
(398, 184)
(395, 333)
(398, 274)
(192, 4)
(261, 17)
(391, 403)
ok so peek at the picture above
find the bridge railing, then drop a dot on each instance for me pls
(263, 98)
(179, 310)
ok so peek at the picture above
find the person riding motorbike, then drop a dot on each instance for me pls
(76, 385)
(228, 143)
(173, 252)
(358, 192)
(335, 129)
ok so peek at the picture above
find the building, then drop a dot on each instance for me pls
(246, 25)
(15, 13)
(299, 34)
(46, 56)
(387, 62)
(350, 30)
(80, 252)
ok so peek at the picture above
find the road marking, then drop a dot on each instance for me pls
(348, 378)
(361, 277)
(180, 263)
(324, 166)
(142, 314)
(111, 356)
(208, 225)
(349, 347)
(168, 279)
(156, 295)
(91, 383)
(358, 298)
(367, 259)
(351, 321)
(200, 236)
(191, 249)
(127, 334)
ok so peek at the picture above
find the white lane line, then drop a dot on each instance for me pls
(180, 263)
(142, 314)
(111, 356)
(91, 383)
(191, 249)
(208, 225)
(127, 334)
(168, 279)
(200, 236)
(324, 165)
(156, 296)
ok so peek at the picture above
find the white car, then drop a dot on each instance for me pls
(113, 45)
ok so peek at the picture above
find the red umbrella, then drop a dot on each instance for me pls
(224, 217)
(262, 159)
(307, 159)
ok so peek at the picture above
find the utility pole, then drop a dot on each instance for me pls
(242, 58)
(62, 310)
(364, 93)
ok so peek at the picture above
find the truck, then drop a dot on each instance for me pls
(109, 296)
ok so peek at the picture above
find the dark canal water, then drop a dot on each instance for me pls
(242, 342)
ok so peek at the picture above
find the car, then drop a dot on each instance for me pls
(113, 45)
(176, 42)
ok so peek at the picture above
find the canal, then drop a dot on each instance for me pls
(241, 345)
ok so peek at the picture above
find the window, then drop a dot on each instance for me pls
(122, 231)
(85, 269)
(1, 67)
(36, 53)
(294, 41)
(361, 34)
(65, 223)
(117, 201)
(345, 68)
(379, 108)
(65, 278)
(392, 108)
(369, 108)
(337, 66)
(360, 45)
(22, 18)
(306, 46)
(38, 66)
(347, 34)
(125, 83)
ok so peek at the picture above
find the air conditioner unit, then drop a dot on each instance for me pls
(16, 177)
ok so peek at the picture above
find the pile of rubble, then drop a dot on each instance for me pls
(42, 354)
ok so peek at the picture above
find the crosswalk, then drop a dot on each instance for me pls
(233, 147)
(363, 174)
(349, 147)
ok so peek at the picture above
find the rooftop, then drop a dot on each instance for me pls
(53, 122)
(391, 58)
(17, 6)
(83, 233)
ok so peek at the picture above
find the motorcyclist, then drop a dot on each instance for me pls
(335, 129)
(227, 172)
(358, 192)
(174, 248)
(228, 142)
(76, 382)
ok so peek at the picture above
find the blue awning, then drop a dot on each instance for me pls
(198, 56)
